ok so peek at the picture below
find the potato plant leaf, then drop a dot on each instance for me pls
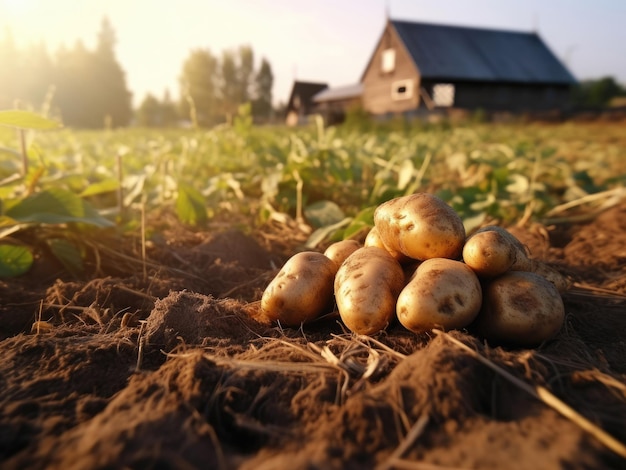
(56, 206)
(101, 187)
(26, 120)
(67, 253)
(190, 206)
(364, 220)
(323, 213)
(323, 233)
(14, 260)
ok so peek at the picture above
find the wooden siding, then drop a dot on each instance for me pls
(505, 96)
(377, 85)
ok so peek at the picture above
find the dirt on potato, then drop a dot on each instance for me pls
(160, 363)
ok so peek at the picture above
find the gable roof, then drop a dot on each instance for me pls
(478, 54)
(305, 92)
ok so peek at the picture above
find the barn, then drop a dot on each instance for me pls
(300, 103)
(424, 66)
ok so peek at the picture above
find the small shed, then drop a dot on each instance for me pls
(424, 65)
(300, 103)
(332, 103)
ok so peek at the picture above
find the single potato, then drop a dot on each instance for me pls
(442, 293)
(339, 251)
(420, 226)
(301, 291)
(520, 308)
(493, 250)
(366, 289)
(489, 253)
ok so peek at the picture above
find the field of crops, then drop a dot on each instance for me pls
(331, 177)
(131, 260)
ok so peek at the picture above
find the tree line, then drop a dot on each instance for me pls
(212, 88)
(87, 87)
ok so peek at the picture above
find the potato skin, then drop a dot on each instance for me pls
(340, 250)
(502, 238)
(366, 289)
(489, 253)
(420, 226)
(520, 308)
(373, 239)
(442, 293)
(301, 291)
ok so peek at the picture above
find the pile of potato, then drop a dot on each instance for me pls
(417, 265)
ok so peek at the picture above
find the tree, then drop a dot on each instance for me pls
(213, 89)
(92, 85)
(155, 113)
(199, 87)
(264, 81)
(230, 86)
(148, 112)
(169, 113)
(110, 93)
(245, 74)
(596, 93)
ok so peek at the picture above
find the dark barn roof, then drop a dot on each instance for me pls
(477, 54)
(304, 91)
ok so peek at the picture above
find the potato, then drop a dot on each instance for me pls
(520, 308)
(301, 291)
(420, 226)
(373, 239)
(339, 251)
(489, 253)
(366, 288)
(493, 250)
(442, 293)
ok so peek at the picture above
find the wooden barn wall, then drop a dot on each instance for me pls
(377, 85)
(503, 96)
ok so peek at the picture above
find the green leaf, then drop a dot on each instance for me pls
(321, 234)
(101, 187)
(56, 206)
(323, 213)
(363, 220)
(14, 260)
(67, 253)
(26, 120)
(190, 206)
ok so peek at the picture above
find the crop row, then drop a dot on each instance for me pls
(330, 176)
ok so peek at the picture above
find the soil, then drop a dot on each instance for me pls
(157, 361)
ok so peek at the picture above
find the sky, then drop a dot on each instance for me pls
(327, 41)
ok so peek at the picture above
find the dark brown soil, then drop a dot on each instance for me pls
(159, 363)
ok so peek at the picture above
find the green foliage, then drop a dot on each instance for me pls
(55, 206)
(26, 120)
(67, 253)
(336, 175)
(596, 93)
(14, 260)
(190, 206)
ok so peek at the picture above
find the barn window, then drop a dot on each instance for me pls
(388, 63)
(402, 89)
(443, 94)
